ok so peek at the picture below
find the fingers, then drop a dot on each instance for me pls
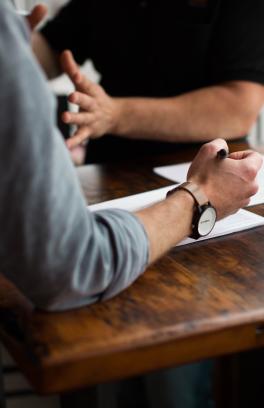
(78, 137)
(239, 155)
(211, 148)
(247, 163)
(77, 118)
(206, 154)
(84, 101)
(218, 144)
(251, 157)
(71, 68)
(37, 15)
(69, 65)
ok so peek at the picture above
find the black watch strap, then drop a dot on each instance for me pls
(201, 204)
(192, 188)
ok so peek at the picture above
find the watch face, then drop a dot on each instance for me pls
(207, 221)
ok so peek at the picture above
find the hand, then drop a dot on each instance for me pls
(97, 109)
(228, 183)
(36, 16)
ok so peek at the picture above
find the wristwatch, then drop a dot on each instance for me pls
(204, 216)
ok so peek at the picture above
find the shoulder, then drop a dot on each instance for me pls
(14, 40)
(11, 24)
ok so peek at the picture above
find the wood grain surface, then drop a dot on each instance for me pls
(199, 301)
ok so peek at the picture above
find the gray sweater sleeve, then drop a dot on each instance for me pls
(51, 246)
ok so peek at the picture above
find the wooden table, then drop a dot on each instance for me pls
(198, 301)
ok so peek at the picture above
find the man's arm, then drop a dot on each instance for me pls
(57, 252)
(52, 247)
(70, 28)
(46, 56)
(226, 183)
(226, 110)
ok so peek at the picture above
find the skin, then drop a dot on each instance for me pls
(225, 110)
(166, 119)
(47, 58)
(36, 16)
(227, 183)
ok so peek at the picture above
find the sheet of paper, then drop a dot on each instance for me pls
(178, 174)
(175, 172)
(259, 197)
(135, 202)
(240, 221)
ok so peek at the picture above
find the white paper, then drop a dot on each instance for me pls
(134, 202)
(174, 172)
(240, 221)
(259, 197)
(178, 174)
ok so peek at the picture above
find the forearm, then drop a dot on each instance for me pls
(167, 223)
(218, 111)
(52, 247)
(47, 58)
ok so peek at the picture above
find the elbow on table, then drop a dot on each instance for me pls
(240, 126)
(247, 122)
(47, 303)
(47, 293)
(246, 106)
(58, 303)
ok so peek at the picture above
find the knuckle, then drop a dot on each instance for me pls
(220, 140)
(220, 143)
(258, 160)
(250, 172)
(254, 188)
(93, 104)
(245, 202)
(207, 148)
(211, 148)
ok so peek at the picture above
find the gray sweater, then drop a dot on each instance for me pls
(51, 246)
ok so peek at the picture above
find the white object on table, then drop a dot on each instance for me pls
(178, 174)
(240, 221)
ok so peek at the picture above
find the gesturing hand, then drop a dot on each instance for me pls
(97, 113)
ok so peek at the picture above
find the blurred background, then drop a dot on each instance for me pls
(62, 85)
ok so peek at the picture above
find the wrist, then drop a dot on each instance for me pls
(181, 195)
(118, 113)
(204, 214)
(183, 203)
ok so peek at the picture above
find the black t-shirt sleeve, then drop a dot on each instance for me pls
(70, 30)
(237, 46)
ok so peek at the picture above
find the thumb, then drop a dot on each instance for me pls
(69, 65)
(37, 15)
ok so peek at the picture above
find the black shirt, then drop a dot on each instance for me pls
(160, 48)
